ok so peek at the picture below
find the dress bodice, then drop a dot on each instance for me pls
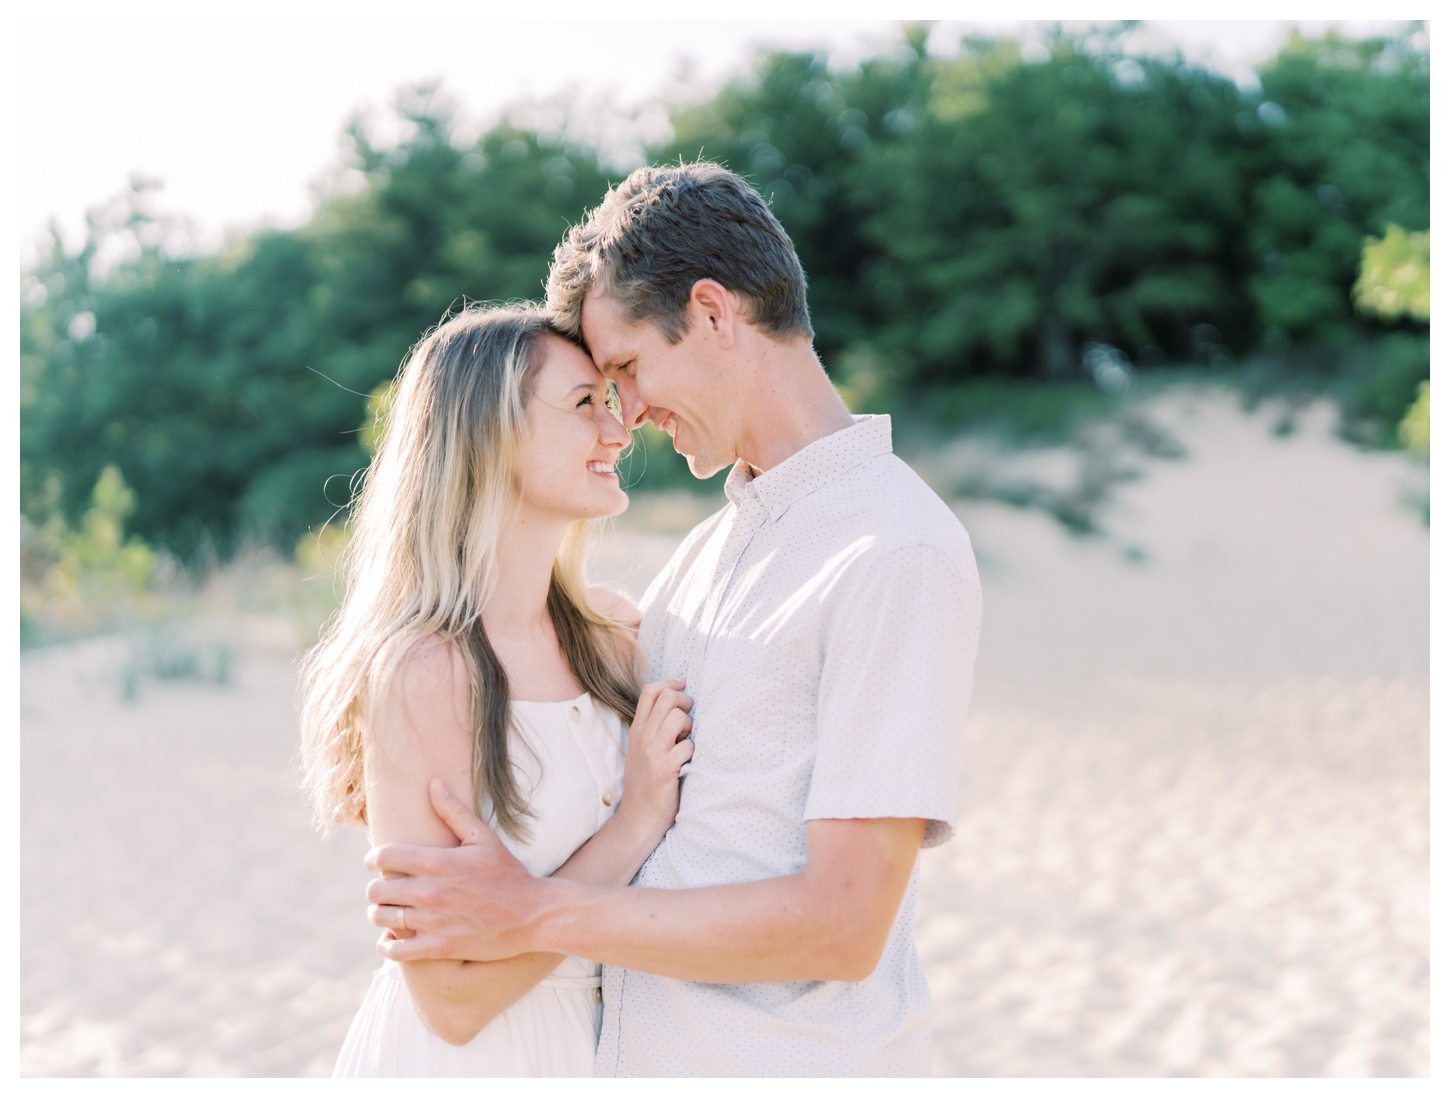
(569, 757)
(570, 760)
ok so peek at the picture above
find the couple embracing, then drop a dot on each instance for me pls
(710, 875)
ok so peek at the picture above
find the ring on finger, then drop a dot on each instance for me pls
(402, 918)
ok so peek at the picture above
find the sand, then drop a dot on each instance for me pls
(1194, 833)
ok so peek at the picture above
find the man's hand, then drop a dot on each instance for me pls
(471, 902)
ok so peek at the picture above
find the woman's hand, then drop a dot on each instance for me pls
(657, 750)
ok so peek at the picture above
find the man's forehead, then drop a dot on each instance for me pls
(601, 307)
(609, 335)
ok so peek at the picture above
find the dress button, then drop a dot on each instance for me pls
(574, 713)
(608, 797)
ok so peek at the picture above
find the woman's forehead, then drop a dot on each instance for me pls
(566, 366)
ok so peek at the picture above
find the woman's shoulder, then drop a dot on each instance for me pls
(428, 662)
(429, 655)
(429, 680)
(614, 605)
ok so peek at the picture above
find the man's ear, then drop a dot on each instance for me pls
(718, 308)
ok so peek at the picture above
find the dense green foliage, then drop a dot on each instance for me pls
(226, 387)
(966, 223)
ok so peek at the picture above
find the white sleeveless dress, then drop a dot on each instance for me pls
(573, 781)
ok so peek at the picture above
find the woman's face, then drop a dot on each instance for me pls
(571, 440)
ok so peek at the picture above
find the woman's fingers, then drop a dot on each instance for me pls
(658, 734)
(646, 701)
(650, 696)
(671, 727)
(657, 702)
(676, 726)
(668, 702)
(663, 684)
(680, 754)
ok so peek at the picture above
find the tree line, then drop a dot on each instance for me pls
(975, 220)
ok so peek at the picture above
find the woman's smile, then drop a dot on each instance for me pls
(603, 468)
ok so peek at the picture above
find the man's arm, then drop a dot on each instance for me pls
(830, 921)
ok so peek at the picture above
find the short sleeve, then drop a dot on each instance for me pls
(896, 682)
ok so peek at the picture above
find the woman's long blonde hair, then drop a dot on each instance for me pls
(422, 562)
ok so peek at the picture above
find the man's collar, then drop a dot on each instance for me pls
(810, 467)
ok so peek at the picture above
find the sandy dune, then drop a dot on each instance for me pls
(1194, 833)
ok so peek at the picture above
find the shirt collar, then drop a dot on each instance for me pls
(809, 468)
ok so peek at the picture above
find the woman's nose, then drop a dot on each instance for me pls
(612, 432)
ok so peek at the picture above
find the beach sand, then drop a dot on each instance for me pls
(1194, 832)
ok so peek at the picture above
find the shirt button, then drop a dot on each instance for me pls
(608, 797)
(574, 713)
(599, 996)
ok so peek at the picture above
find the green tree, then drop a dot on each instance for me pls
(1394, 276)
(1345, 133)
(228, 389)
(1394, 286)
(976, 218)
(1033, 207)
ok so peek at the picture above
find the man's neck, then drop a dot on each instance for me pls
(792, 404)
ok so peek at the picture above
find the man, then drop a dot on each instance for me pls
(825, 622)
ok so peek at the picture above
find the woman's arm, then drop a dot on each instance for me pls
(422, 730)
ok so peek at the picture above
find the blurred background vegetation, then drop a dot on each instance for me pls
(989, 240)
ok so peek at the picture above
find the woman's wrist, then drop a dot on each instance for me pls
(615, 853)
(643, 830)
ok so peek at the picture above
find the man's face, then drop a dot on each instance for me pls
(677, 387)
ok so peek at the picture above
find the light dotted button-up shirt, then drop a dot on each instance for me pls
(826, 624)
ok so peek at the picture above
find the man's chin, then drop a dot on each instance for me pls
(703, 467)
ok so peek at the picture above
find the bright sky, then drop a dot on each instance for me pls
(238, 119)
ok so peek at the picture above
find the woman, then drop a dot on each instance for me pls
(469, 649)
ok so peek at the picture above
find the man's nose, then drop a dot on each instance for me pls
(633, 411)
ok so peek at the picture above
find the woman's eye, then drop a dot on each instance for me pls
(586, 400)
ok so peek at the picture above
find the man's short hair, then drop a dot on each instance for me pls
(661, 231)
